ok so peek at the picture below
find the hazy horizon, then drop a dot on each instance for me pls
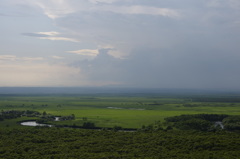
(111, 91)
(120, 43)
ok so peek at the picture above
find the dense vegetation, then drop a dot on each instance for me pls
(76, 143)
(232, 123)
(12, 114)
(205, 122)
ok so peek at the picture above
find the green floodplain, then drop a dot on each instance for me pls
(127, 111)
(165, 126)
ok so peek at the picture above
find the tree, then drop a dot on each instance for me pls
(73, 117)
(88, 125)
(44, 113)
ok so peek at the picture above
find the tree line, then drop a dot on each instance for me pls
(205, 122)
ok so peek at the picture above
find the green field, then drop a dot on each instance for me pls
(127, 111)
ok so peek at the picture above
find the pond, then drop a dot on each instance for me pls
(34, 123)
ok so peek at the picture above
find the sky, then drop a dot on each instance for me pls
(191, 44)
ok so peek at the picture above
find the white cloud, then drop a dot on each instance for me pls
(31, 58)
(55, 8)
(57, 57)
(137, 9)
(50, 36)
(15, 58)
(59, 39)
(8, 57)
(51, 33)
(106, 46)
(117, 53)
(60, 8)
(85, 52)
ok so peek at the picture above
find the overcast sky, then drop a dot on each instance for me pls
(130, 43)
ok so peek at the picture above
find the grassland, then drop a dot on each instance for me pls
(127, 111)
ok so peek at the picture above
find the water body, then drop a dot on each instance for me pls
(57, 118)
(34, 123)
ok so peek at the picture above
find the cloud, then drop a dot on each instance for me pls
(15, 58)
(60, 39)
(136, 9)
(117, 53)
(57, 9)
(171, 69)
(57, 57)
(188, 44)
(121, 31)
(103, 69)
(8, 57)
(50, 36)
(51, 33)
(35, 35)
(102, 1)
(31, 58)
(85, 52)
